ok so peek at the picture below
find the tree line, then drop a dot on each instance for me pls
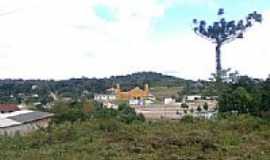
(16, 91)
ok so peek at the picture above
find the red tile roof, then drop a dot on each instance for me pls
(9, 108)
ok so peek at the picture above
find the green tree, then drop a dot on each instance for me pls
(128, 114)
(184, 106)
(205, 106)
(199, 109)
(239, 100)
(264, 105)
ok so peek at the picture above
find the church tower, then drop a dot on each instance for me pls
(146, 89)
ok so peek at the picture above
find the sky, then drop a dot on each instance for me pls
(61, 39)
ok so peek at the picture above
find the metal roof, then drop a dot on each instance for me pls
(31, 116)
(7, 123)
(21, 117)
(6, 115)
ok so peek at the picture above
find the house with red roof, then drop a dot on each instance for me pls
(8, 108)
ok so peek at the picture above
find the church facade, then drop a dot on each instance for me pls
(133, 94)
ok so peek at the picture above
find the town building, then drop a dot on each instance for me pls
(193, 97)
(169, 101)
(136, 93)
(23, 122)
(104, 97)
(135, 96)
(110, 105)
(8, 108)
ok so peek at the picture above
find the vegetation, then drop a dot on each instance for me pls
(222, 32)
(233, 137)
(82, 129)
(87, 110)
(184, 105)
(86, 130)
(165, 92)
(31, 91)
(246, 95)
(205, 106)
(199, 108)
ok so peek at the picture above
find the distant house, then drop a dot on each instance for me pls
(23, 122)
(169, 101)
(110, 105)
(136, 102)
(193, 97)
(104, 97)
(8, 108)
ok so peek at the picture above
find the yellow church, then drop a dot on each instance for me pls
(136, 93)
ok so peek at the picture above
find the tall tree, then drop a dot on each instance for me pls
(223, 31)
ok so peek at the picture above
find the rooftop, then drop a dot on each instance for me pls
(30, 116)
(7, 122)
(21, 117)
(9, 108)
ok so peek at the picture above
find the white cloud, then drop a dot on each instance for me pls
(65, 38)
(251, 55)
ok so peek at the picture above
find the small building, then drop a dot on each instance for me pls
(8, 108)
(169, 101)
(205, 114)
(104, 97)
(23, 122)
(193, 98)
(136, 102)
(110, 105)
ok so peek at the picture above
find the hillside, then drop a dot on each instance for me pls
(21, 90)
(152, 78)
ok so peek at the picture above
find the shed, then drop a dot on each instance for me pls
(23, 122)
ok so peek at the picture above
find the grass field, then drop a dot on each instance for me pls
(165, 92)
(234, 138)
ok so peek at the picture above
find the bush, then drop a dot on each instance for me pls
(69, 112)
(188, 119)
(81, 111)
(128, 114)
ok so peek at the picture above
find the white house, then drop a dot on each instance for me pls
(193, 97)
(104, 97)
(110, 105)
(169, 101)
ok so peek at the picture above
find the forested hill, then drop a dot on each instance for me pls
(15, 89)
(152, 78)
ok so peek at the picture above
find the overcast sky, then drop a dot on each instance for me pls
(60, 39)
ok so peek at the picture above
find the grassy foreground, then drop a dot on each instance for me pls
(234, 138)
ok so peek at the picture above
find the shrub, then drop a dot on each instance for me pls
(128, 114)
(188, 119)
